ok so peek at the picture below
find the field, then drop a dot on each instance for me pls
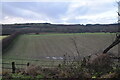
(49, 48)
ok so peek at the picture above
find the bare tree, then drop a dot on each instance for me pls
(117, 40)
(118, 3)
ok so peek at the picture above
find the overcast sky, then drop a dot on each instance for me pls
(69, 12)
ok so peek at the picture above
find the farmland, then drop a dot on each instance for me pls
(52, 47)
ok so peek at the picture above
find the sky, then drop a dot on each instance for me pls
(60, 12)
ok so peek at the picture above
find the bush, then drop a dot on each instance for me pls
(100, 64)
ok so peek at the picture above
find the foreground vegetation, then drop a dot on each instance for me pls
(101, 66)
(63, 49)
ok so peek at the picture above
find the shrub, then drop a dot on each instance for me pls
(33, 70)
(100, 64)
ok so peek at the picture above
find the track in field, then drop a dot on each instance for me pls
(54, 46)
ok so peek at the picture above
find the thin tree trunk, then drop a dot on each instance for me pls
(117, 41)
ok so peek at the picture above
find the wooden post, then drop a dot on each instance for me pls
(13, 67)
(28, 64)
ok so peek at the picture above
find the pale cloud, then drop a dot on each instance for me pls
(55, 0)
(61, 11)
(92, 11)
(12, 20)
(104, 17)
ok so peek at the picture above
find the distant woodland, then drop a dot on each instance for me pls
(8, 29)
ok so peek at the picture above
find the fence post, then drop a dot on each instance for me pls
(28, 64)
(13, 67)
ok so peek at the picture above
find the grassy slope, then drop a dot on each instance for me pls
(56, 45)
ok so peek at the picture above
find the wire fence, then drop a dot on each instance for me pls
(15, 64)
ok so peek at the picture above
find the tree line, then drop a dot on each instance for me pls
(58, 28)
(8, 40)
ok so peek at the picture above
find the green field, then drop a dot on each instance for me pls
(52, 47)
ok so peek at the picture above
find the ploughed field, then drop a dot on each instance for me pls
(49, 49)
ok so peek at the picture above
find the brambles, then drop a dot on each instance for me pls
(101, 63)
(89, 67)
(110, 75)
(66, 71)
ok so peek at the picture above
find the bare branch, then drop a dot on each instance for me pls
(118, 13)
(118, 3)
(117, 41)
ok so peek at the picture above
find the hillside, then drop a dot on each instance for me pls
(58, 28)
